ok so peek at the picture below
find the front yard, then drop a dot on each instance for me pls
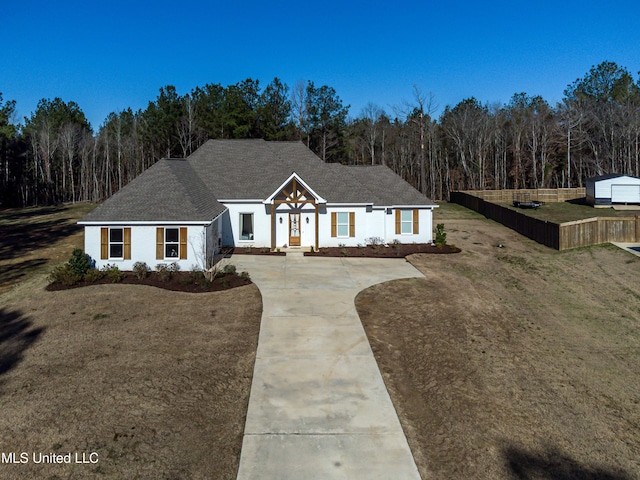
(513, 362)
(504, 362)
(155, 382)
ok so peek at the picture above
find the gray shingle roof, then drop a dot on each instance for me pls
(168, 191)
(189, 190)
(241, 169)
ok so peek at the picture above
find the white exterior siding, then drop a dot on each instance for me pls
(374, 223)
(368, 223)
(203, 240)
(92, 244)
(603, 188)
(231, 225)
(425, 227)
(361, 227)
(143, 246)
(307, 229)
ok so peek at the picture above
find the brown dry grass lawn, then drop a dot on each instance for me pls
(515, 362)
(33, 240)
(155, 382)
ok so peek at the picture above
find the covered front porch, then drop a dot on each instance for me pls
(294, 215)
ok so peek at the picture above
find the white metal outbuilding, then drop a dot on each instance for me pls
(613, 189)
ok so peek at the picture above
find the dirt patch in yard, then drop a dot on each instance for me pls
(513, 362)
(155, 382)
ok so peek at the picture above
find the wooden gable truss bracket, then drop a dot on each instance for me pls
(297, 197)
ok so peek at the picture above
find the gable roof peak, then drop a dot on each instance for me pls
(271, 198)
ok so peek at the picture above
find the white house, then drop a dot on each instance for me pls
(613, 188)
(252, 193)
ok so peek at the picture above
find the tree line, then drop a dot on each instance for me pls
(56, 156)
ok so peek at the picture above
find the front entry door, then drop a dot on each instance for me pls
(294, 229)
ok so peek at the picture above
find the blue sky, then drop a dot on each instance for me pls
(107, 56)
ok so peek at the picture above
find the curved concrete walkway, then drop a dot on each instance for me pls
(318, 407)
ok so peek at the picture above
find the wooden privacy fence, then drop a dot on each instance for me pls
(593, 231)
(549, 195)
(546, 233)
(561, 236)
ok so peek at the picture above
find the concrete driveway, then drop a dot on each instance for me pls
(318, 406)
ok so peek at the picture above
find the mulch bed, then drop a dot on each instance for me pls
(179, 282)
(382, 251)
(250, 251)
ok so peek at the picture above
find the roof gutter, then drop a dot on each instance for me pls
(147, 222)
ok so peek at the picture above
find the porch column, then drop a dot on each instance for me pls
(317, 233)
(273, 226)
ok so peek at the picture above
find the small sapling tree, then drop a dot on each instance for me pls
(80, 262)
(441, 235)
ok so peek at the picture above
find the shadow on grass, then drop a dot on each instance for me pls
(13, 272)
(23, 231)
(553, 465)
(578, 201)
(20, 214)
(16, 336)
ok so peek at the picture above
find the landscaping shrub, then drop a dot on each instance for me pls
(245, 275)
(163, 272)
(374, 241)
(64, 274)
(173, 268)
(229, 269)
(113, 273)
(197, 276)
(441, 235)
(80, 262)
(93, 275)
(140, 270)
